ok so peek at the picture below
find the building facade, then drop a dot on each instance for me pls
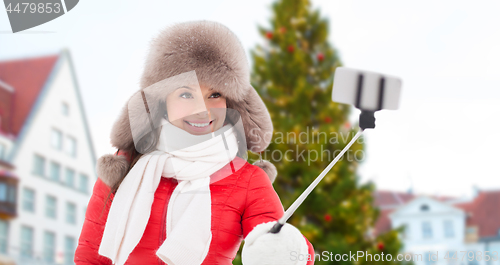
(444, 230)
(47, 159)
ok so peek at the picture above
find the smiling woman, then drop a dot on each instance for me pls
(196, 110)
(180, 187)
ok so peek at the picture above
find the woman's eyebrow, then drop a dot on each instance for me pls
(185, 87)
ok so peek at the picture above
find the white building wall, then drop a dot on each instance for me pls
(37, 140)
(494, 252)
(5, 146)
(414, 242)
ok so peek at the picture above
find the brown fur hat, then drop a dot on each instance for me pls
(219, 61)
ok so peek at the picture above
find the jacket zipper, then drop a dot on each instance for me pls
(163, 234)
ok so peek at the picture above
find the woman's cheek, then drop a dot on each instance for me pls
(177, 112)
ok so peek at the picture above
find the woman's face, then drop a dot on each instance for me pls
(196, 110)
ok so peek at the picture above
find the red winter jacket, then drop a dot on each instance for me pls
(240, 201)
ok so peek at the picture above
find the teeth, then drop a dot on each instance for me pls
(198, 124)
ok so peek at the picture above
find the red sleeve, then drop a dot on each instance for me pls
(93, 227)
(127, 155)
(263, 205)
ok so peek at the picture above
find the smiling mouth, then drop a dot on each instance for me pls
(199, 125)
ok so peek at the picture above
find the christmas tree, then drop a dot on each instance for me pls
(293, 73)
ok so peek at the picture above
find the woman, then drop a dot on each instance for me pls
(172, 195)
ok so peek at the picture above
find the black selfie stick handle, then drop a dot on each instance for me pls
(367, 119)
(276, 228)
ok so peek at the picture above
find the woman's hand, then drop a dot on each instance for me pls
(288, 247)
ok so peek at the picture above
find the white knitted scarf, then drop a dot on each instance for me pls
(189, 208)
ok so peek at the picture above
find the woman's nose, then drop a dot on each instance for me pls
(198, 106)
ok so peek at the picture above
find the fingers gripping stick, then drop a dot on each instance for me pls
(367, 91)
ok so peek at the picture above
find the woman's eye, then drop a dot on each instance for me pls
(186, 95)
(216, 95)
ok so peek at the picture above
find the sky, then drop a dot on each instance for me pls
(443, 140)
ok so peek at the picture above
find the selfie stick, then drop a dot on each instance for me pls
(277, 227)
(352, 85)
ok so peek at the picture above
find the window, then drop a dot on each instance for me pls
(471, 230)
(4, 235)
(2, 151)
(28, 200)
(55, 171)
(71, 146)
(65, 109)
(3, 191)
(69, 250)
(426, 230)
(84, 183)
(71, 213)
(51, 207)
(424, 207)
(7, 192)
(56, 139)
(39, 165)
(70, 177)
(448, 229)
(26, 242)
(49, 247)
(11, 193)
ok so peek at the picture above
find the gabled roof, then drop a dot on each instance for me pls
(388, 199)
(387, 202)
(413, 207)
(47, 67)
(484, 213)
(27, 77)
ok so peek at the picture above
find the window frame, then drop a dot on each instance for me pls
(71, 217)
(51, 172)
(36, 160)
(448, 226)
(33, 203)
(81, 187)
(4, 236)
(427, 230)
(69, 252)
(4, 189)
(66, 177)
(71, 142)
(48, 209)
(27, 242)
(56, 133)
(49, 247)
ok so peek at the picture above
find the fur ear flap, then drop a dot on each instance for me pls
(268, 167)
(256, 120)
(111, 168)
